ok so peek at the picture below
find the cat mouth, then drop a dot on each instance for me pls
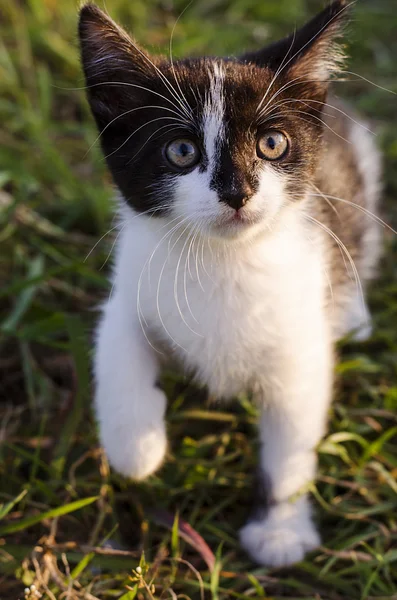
(240, 219)
(236, 222)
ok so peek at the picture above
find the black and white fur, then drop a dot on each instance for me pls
(245, 270)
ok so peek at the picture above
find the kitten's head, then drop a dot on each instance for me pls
(224, 144)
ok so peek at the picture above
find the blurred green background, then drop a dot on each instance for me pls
(59, 502)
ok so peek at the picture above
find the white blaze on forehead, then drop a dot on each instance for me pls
(213, 114)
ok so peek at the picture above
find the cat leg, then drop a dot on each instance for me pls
(130, 408)
(291, 425)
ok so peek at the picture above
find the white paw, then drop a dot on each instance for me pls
(283, 537)
(136, 445)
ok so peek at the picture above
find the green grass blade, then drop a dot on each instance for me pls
(49, 514)
(6, 508)
(36, 268)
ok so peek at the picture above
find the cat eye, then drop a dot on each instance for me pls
(182, 153)
(273, 145)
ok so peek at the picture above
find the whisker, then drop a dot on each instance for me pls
(298, 80)
(279, 70)
(127, 112)
(134, 85)
(369, 81)
(187, 269)
(112, 229)
(171, 59)
(280, 115)
(149, 260)
(369, 214)
(152, 211)
(140, 313)
(189, 236)
(191, 248)
(328, 202)
(317, 34)
(194, 94)
(298, 112)
(150, 137)
(283, 88)
(325, 125)
(112, 247)
(100, 240)
(303, 78)
(165, 81)
(139, 128)
(299, 101)
(343, 248)
(343, 113)
(154, 251)
(187, 261)
(289, 84)
(158, 289)
(306, 103)
(197, 265)
(203, 237)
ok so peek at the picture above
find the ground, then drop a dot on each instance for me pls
(61, 504)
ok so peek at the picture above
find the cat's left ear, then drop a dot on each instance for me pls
(312, 54)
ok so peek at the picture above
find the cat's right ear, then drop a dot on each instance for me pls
(116, 70)
(313, 54)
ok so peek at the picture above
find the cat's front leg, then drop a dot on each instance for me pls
(129, 406)
(292, 423)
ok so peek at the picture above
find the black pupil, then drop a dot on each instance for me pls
(185, 150)
(271, 142)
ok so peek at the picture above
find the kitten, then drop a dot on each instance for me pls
(243, 251)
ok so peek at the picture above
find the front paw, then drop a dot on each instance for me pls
(283, 537)
(136, 442)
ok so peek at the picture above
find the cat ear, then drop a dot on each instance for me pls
(312, 53)
(115, 68)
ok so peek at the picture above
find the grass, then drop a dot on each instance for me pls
(59, 503)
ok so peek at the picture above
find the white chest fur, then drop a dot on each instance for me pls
(222, 309)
